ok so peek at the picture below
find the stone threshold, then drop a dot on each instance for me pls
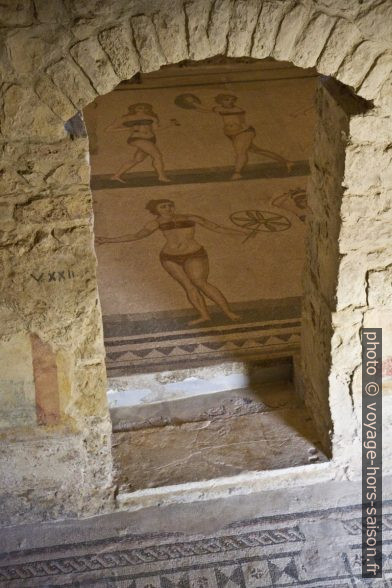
(219, 405)
(256, 429)
(245, 484)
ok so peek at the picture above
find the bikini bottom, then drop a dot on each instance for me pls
(183, 258)
(247, 130)
(131, 140)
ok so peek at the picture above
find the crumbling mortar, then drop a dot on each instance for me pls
(186, 26)
(351, 391)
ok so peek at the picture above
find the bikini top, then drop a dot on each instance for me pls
(180, 224)
(135, 123)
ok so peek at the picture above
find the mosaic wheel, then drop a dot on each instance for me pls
(260, 221)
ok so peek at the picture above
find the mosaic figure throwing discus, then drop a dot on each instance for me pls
(235, 128)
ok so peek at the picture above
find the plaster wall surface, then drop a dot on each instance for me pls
(55, 59)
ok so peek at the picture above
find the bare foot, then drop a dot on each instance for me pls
(236, 176)
(202, 319)
(233, 316)
(118, 179)
(164, 179)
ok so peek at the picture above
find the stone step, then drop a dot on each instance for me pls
(154, 388)
(261, 397)
(206, 437)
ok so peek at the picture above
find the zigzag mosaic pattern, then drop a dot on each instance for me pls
(171, 349)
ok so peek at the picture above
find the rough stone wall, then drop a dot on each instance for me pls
(55, 58)
(326, 194)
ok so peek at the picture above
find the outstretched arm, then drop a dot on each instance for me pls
(216, 228)
(203, 109)
(173, 122)
(146, 231)
(117, 125)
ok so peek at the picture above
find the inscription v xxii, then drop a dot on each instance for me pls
(56, 276)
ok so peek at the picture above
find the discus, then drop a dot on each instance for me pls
(187, 101)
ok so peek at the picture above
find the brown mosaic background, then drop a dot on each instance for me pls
(146, 312)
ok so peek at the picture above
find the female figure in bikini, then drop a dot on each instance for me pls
(182, 257)
(141, 123)
(237, 130)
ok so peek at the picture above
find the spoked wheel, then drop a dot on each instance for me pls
(259, 221)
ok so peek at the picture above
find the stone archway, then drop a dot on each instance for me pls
(47, 220)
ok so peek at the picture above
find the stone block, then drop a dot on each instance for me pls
(371, 128)
(56, 268)
(384, 99)
(19, 14)
(358, 63)
(376, 206)
(91, 349)
(54, 98)
(374, 81)
(7, 73)
(218, 26)
(38, 168)
(290, 30)
(368, 169)
(90, 382)
(55, 475)
(24, 116)
(313, 40)
(117, 43)
(242, 25)
(86, 10)
(271, 15)
(70, 79)
(169, 23)
(150, 52)
(376, 23)
(346, 343)
(366, 234)
(7, 220)
(213, 447)
(351, 283)
(379, 287)
(65, 209)
(342, 41)
(28, 51)
(94, 62)
(208, 26)
(51, 12)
